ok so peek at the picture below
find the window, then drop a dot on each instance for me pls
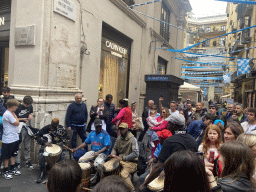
(222, 41)
(161, 66)
(129, 2)
(214, 43)
(206, 44)
(164, 28)
(208, 29)
(223, 28)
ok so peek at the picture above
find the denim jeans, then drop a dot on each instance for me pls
(80, 130)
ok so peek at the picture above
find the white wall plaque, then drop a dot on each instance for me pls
(24, 36)
(67, 8)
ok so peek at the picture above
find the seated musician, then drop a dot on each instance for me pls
(100, 143)
(127, 151)
(50, 134)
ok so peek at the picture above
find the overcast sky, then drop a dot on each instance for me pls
(207, 7)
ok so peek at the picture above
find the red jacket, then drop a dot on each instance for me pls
(125, 116)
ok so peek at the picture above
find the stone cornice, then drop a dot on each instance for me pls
(123, 6)
(159, 37)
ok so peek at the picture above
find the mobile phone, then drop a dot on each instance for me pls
(201, 156)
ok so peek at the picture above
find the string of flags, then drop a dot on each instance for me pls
(147, 3)
(239, 1)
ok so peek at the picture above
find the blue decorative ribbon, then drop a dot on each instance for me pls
(239, 1)
(145, 3)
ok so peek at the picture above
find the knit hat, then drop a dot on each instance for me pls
(123, 125)
(164, 134)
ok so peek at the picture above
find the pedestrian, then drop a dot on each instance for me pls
(250, 126)
(163, 123)
(145, 115)
(76, 118)
(6, 91)
(117, 184)
(135, 120)
(173, 108)
(185, 172)
(125, 114)
(126, 150)
(97, 112)
(179, 141)
(240, 113)
(10, 140)
(65, 176)
(200, 112)
(232, 131)
(53, 133)
(110, 114)
(24, 114)
(238, 168)
(250, 141)
(197, 128)
(230, 112)
(188, 113)
(213, 109)
(211, 143)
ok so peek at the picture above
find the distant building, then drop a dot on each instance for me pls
(205, 28)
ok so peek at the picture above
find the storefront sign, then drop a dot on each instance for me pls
(116, 47)
(25, 36)
(157, 78)
(66, 8)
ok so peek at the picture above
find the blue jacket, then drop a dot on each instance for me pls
(76, 114)
(195, 128)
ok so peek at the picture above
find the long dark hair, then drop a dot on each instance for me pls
(65, 176)
(184, 171)
(236, 129)
(112, 183)
(238, 159)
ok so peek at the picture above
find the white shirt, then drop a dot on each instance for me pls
(251, 127)
(176, 112)
(10, 132)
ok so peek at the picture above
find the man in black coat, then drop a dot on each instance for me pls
(145, 115)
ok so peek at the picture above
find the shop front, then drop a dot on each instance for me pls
(5, 18)
(115, 64)
(249, 91)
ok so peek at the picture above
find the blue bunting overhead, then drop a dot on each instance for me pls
(201, 67)
(201, 73)
(239, 1)
(202, 63)
(203, 78)
(147, 3)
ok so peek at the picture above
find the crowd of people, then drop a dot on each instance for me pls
(190, 147)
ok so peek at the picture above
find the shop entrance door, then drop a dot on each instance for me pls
(4, 64)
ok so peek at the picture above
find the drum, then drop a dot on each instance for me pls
(52, 154)
(86, 175)
(156, 185)
(112, 167)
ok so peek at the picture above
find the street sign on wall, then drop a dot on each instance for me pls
(66, 8)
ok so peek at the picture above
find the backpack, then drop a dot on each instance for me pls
(142, 162)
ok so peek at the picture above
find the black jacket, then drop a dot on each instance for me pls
(60, 133)
(235, 185)
(93, 114)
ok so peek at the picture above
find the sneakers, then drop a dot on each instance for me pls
(15, 171)
(7, 175)
(18, 165)
(29, 165)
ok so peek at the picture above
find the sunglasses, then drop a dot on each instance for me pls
(163, 112)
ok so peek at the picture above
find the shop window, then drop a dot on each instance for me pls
(164, 27)
(208, 29)
(129, 2)
(206, 44)
(214, 44)
(161, 66)
(222, 41)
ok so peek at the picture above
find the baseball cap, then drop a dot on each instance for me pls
(177, 119)
(123, 125)
(97, 122)
(214, 105)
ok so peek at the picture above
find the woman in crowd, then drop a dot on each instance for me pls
(211, 143)
(232, 131)
(65, 176)
(184, 171)
(125, 114)
(112, 183)
(97, 112)
(161, 119)
(238, 168)
(135, 120)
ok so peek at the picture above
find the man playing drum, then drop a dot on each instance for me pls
(48, 135)
(127, 148)
(100, 143)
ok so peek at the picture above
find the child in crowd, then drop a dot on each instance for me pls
(10, 140)
(211, 143)
(152, 136)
